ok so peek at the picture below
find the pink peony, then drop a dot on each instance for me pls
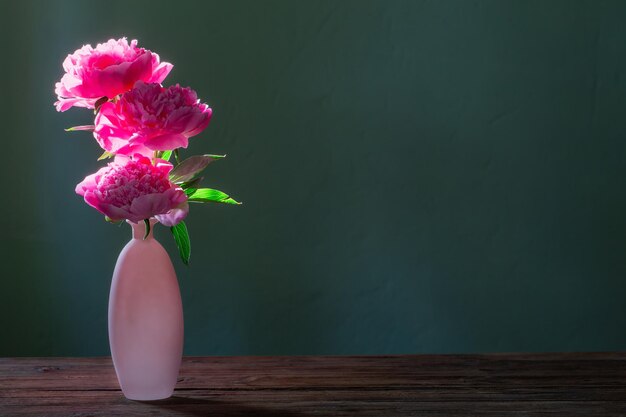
(150, 117)
(110, 69)
(135, 189)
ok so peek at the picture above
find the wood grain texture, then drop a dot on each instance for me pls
(559, 384)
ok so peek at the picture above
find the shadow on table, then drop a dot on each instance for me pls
(204, 407)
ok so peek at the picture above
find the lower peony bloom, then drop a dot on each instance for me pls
(135, 189)
(151, 118)
(107, 70)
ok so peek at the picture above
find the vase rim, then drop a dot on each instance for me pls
(139, 228)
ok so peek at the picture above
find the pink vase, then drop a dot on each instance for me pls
(145, 319)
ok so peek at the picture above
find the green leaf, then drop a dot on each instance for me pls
(190, 191)
(147, 223)
(106, 155)
(77, 128)
(192, 184)
(181, 236)
(166, 155)
(203, 195)
(190, 167)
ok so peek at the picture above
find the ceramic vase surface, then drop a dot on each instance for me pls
(145, 319)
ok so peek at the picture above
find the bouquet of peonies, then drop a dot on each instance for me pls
(140, 124)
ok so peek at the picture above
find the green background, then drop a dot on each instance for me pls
(419, 176)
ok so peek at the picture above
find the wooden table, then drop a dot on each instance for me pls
(561, 384)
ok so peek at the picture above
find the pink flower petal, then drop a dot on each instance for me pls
(160, 72)
(109, 69)
(167, 142)
(133, 188)
(151, 117)
(148, 205)
(174, 216)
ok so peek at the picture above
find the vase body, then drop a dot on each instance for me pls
(145, 319)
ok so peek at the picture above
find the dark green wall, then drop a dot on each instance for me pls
(419, 176)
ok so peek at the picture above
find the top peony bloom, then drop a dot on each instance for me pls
(150, 118)
(110, 69)
(135, 189)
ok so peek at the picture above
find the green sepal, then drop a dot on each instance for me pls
(78, 128)
(204, 195)
(99, 103)
(181, 236)
(106, 155)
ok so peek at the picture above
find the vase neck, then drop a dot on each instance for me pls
(139, 229)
